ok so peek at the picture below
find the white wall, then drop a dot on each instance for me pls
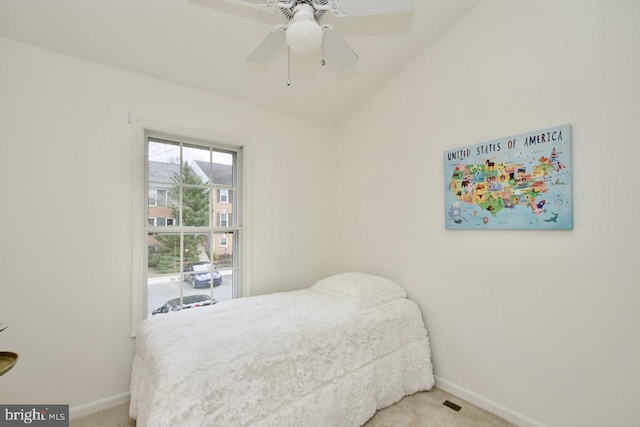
(66, 213)
(541, 326)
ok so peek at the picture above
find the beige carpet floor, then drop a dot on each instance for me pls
(424, 409)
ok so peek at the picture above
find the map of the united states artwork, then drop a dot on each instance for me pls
(520, 182)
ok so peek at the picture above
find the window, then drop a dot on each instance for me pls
(159, 198)
(160, 222)
(223, 219)
(224, 195)
(189, 247)
(162, 198)
(153, 195)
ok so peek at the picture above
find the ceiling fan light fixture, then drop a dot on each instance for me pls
(304, 34)
(304, 37)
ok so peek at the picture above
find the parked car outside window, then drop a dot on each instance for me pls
(188, 301)
(201, 274)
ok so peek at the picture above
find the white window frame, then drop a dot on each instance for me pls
(224, 242)
(142, 129)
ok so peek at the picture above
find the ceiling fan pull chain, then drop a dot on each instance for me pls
(322, 61)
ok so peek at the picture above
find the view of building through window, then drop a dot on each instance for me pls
(190, 225)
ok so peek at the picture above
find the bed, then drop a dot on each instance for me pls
(328, 355)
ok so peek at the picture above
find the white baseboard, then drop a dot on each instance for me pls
(98, 405)
(486, 404)
(441, 383)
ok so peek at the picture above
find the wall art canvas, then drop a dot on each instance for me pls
(517, 182)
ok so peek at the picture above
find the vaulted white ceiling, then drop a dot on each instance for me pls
(202, 44)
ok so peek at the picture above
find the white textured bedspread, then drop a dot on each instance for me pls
(302, 358)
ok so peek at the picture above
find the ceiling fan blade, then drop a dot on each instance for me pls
(338, 51)
(267, 47)
(374, 7)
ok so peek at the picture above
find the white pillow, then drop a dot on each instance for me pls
(363, 289)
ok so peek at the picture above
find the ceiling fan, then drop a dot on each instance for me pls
(304, 33)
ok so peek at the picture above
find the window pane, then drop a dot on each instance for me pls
(222, 169)
(163, 161)
(163, 254)
(199, 161)
(223, 260)
(196, 247)
(162, 204)
(196, 260)
(195, 206)
(166, 285)
(163, 180)
(223, 250)
(224, 292)
(163, 267)
(223, 211)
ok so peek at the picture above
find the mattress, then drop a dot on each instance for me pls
(328, 355)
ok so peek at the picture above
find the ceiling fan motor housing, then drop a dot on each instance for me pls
(290, 11)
